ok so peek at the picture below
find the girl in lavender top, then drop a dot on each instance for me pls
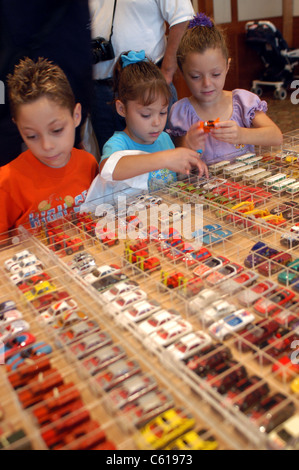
(204, 61)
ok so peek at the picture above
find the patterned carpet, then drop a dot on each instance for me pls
(283, 112)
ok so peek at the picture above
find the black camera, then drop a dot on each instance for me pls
(102, 50)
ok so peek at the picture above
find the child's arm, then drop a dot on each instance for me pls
(193, 139)
(179, 160)
(263, 132)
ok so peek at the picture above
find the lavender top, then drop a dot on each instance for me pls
(245, 104)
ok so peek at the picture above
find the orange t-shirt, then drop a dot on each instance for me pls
(33, 192)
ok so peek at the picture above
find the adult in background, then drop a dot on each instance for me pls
(135, 25)
(58, 30)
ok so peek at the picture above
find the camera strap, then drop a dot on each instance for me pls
(114, 8)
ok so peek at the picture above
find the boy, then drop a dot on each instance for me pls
(51, 177)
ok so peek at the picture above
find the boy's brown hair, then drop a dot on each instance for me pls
(33, 80)
(142, 81)
(199, 39)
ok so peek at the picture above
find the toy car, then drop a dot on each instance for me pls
(130, 390)
(250, 296)
(46, 300)
(285, 368)
(204, 298)
(223, 273)
(275, 264)
(244, 279)
(26, 262)
(269, 306)
(139, 311)
(145, 408)
(118, 289)
(116, 373)
(27, 284)
(108, 281)
(225, 375)
(290, 276)
(33, 352)
(291, 238)
(234, 322)
(271, 412)
(168, 333)
(23, 274)
(13, 329)
(259, 252)
(252, 390)
(27, 371)
(208, 125)
(216, 310)
(56, 309)
(194, 440)
(11, 347)
(255, 333)
(89, 344)
(9, 316)
(125, 300)
(68, 318)
(6, 306)
(196, 256)
(36, 388)
(76, 332)
(210, 265)
(188, 345)
(208, 358)
(17, 258)
(102, 358)
(163, 429)
(277, 344)
(156, 321)
(39, 289)
(286, 435)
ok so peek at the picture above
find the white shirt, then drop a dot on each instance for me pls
(138, 24)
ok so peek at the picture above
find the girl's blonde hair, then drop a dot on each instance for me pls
(141, 81)
(32, 80)
(199, 38)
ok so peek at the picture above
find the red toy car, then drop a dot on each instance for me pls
(274, 265)
(255, 334)
(257, 390)
(280, 298)
(271, 412)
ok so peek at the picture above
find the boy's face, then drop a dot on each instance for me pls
(144, 124)
(48, 130)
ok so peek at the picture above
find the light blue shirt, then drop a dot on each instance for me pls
(121, 141)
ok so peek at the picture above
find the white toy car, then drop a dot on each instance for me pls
(9, 316)
(100, 271)
(204, 298)
(234, 322)
(168, 333)
(286, 435)
(118, 289)
(125, 300)
(51, 314)
(158, 319)
(13, 329)
(25, 273)
(17, 258)
(216, 310)
(188, 345)
(31, 260)
(139, 311)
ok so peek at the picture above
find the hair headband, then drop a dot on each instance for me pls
(133, 57)
(200, 19)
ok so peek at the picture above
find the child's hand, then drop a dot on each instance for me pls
(182, 160)
(195, 137)
(227, 131)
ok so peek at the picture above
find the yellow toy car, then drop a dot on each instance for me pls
(163, 429)
(192, 440)
(294, 385)
(42, 288)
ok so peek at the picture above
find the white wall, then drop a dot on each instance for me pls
(222, 11)
(259, 9)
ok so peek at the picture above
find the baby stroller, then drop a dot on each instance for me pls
(278, 59)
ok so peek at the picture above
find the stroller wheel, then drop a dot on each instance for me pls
(280, 94)
(257, 90)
